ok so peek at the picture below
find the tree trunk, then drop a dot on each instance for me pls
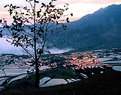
(35, 51)
(37, 74)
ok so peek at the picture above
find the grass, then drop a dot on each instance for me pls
(55, 73)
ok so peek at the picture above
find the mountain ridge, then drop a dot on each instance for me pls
(100, 29)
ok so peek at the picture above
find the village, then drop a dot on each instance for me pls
(70, 66)
(77, 60)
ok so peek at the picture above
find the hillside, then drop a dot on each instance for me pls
(105, 84)
(98, 30)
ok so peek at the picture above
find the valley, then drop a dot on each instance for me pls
(72, 66)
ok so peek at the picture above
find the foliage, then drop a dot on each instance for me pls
(33, 25)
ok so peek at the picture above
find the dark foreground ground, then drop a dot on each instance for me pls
(103, 84)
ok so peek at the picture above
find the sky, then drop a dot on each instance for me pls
(78, 7)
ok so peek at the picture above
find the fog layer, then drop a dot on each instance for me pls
(7, 48)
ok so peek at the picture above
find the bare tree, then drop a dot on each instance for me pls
(33, 26)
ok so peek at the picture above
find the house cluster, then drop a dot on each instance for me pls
(76, 60)
(14, 61)
(82, 60)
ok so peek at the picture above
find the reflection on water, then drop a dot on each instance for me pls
(10, 72)
(53, 82)
(117, 68)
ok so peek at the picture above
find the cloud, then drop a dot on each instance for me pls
(78, 7)
(58, 51)
(17, 2)
(81, 9)
(93, 1)
(7, 48)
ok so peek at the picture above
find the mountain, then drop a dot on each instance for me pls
(101, 29)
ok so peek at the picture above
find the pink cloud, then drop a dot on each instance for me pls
(92, 1)
(106, 1)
